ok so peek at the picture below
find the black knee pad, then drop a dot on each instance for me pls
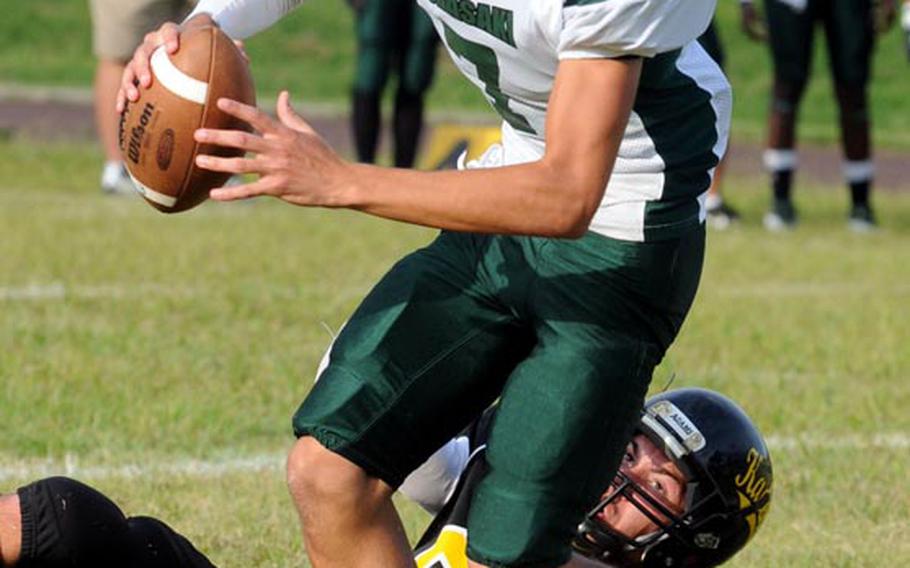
(153, 544)
(66, 523)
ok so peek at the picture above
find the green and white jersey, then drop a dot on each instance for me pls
(511, 49)
(677, 132)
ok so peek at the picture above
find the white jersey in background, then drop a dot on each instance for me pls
(511, 49)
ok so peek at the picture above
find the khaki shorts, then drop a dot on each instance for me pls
(118, 26)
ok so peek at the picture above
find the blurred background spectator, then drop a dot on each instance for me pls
(118, 26)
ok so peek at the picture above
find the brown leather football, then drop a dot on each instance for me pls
(156, 131)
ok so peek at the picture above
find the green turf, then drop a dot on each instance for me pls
(131, 337)
(311, 53)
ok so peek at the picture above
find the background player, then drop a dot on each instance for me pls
(392, 35)
(719, 483)
(720, 213)
(118, 26)
(850, 32)
(559, 279)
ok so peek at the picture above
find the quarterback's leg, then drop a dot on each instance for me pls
(605, 312)
(427, 351)
(347, 516)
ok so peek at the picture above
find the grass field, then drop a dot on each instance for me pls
(311, 52)
(162, 357)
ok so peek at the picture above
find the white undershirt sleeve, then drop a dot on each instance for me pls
(431, 484)
(242, 18)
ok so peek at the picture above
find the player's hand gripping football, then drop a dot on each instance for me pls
(292, 161)
(138, 71)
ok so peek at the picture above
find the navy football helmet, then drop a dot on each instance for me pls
(727, 495)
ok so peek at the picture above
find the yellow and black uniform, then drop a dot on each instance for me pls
(67, 523)
(444, 543)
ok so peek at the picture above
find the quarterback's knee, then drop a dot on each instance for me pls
(319, 478)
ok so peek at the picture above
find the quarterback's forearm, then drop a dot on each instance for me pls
(556, 196)
(528, 199)
(243, 18)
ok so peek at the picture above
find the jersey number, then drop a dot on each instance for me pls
(484, 59)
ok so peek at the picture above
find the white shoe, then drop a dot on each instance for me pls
(721, 216)
(115, 180)
(862, 220)
(781, 217)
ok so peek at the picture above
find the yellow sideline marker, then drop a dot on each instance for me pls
(448, 141)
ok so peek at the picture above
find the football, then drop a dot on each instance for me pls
(156, 131)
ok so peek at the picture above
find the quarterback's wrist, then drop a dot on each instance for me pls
(348, 186)
(199, 20)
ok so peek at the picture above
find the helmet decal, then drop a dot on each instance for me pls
(754, 489)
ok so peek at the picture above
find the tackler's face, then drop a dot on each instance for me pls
(644, 463)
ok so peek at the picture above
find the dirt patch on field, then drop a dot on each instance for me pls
(73, 120)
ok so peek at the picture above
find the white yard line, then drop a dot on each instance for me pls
(155, 468)
(59, 290)
(882, 440)
(56, 291)
(274, 462)
(808, 289)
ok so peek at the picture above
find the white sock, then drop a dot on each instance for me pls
(713, 201)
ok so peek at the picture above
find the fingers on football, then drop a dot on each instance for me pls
(249, 114)
(170, 36)
(127, 88)
(243, 191)
(232, 139)
(289, 116)
(229, 165)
